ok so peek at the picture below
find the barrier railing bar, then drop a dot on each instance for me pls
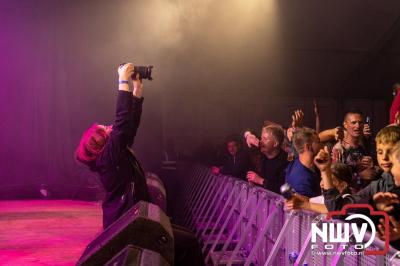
(236, 203)
(194, 179)
(228, 201)
(197, 201)
(280, 239)
(242, 213)
(306, 245)
(262, 233)
(213, 209)
(395, 259)
(212, 194)
(247, 228)
(193, 196)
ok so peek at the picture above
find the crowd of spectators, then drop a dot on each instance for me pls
(326, 169)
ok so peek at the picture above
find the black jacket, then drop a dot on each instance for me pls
(335, 202)
(119, 170)
(237, 165)
(273, 171)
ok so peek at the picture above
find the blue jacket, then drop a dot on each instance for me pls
(303, 180)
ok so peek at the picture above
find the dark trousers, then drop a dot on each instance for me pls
(187, 248)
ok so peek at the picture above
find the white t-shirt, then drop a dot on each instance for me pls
(319, 199)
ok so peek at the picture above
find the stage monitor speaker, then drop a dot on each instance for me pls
(157, 191)
(145, 225)
(154, 176)
(136, 256)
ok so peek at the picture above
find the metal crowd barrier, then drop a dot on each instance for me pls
(241, 224)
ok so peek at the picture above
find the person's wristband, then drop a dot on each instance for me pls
(123, 82)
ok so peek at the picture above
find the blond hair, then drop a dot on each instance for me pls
(305, 135)
(388, 135)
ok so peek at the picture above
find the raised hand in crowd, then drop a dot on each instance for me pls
(339, 133)
(297, 119)
(323, 161)
(254, 178)
(297, 122)
(384, 201)
(367, 130)
(251, 139)
(336, 134)
(366, 162)
(316, 110)
(387, 201)
(290, 133)
(367, 172)
(394, 229)
(317, 119)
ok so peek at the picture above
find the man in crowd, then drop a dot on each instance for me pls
(236, 162)
(301, 174)
(270, 173)
(353, 152)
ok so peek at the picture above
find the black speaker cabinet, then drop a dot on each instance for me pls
(145, 225)
(136, 256)
(157, 191)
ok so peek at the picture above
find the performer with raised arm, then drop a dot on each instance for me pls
(106, 150)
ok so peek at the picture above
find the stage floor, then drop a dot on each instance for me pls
(46, 232)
